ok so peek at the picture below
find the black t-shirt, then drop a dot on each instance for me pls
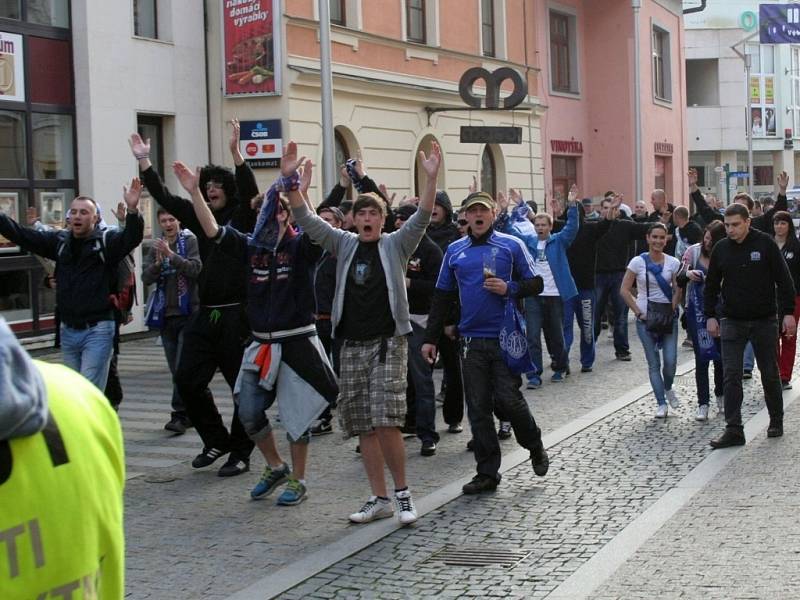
(367, 313)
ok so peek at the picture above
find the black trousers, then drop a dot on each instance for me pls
(213, 339)
(453, 407)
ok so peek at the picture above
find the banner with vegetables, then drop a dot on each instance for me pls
(250, 40)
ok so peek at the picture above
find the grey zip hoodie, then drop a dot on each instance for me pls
(23, 397)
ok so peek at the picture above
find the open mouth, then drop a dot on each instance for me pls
(479, 223)
(367, 228)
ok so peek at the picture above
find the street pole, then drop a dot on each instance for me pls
(637, 99)
(326, 89)
(748, 58)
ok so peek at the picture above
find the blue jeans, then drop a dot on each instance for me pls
(701, 373)
(749, 359)
(546, 313)
(88, 351)
(420, 376)
(607, 290)
(581, 307)
(254, 401)
(660, 380)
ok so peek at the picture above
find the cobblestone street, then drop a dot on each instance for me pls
(191, 534)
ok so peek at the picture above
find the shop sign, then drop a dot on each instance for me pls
(250, 46)
(769, 90)
(260, 143)
(663, 148)
(755, 90)
(779, 23)
(12, 73)
(491, 135)
(566, 147)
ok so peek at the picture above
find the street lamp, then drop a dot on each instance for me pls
(637, 100)
(747, 58)
(326, 91)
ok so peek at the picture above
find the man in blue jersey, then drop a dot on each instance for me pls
(483, 270)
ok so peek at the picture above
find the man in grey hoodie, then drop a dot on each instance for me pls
(23, 401)
(370, 313)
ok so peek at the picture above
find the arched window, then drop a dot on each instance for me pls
(488, 172)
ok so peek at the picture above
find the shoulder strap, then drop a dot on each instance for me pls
(103, 245)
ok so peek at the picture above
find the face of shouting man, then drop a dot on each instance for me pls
(83, 217)
(216, 195)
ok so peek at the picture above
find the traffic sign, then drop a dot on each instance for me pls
(743, 174)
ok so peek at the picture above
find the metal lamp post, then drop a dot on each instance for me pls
(326, 90)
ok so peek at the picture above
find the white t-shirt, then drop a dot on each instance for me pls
(637, 265)
(542, 268)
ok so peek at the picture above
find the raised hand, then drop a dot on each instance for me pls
(616, 201)
(360, 168)
(555, 206)
(692, 179)
(783, 182)
(473, 187)
(573, 194)
(432, 162)
(514, 196)
(132, 194)
(139, 148)
(120, 211)
(389, 197)
(344, 178)
(31, 216)
(306, 176)
(190, 180)
(502, 202)
(233, 143)
(289, 160)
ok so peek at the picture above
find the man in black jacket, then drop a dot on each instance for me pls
(421, 274)
(746, 268)
(86, 258)
(215, 335)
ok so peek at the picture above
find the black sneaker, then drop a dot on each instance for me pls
(234, 466)
(428, 448)
(623, 356)
(786, 384)
(586, 369)
(321, 428)
(727, 439)
(176, 426)
(747, 375)
(479, 484)
(207, 457)
(540, 460)
(455, 428)
(775, 430)
(504, 432)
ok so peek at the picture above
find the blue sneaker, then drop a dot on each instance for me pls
(271, 479)
(534, 382)
(294, 493)
(557, 377)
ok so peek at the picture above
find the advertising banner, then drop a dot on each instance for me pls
(260, 143)
(12, 74)
(779, 23)
(250, 44)
(755, 90)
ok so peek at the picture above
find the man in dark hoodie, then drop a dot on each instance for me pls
(215, 335)
(421, 274)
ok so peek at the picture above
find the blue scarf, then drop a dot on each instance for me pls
(157, 309)
(656, 270)
(265, 233)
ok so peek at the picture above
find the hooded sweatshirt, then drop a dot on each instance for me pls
(23, 399)
(446, 232)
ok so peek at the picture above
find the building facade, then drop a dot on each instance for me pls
(717, 97)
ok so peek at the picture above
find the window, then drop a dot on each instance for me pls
(763, 175)
(12, 145)
(338, 12)
(660, 181)
(54, 13)
(145, 21)
(415, 21)
(10, 9)
(762, 90)
(488, 172)
(702, 82)
(563, 53)
(152, 128)
(487, 27)
(662, 80)
(565, 174)
(53, 156)
(794, 76)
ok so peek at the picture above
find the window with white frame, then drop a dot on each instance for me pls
(487, 28)
(563, 52)
(345, 13)
(761, 88)
(662, 72)
(420, 21)
(794, 76)
(338, 12)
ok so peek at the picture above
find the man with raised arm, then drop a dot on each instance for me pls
(215, 335)
(371, 314)
(85, 257)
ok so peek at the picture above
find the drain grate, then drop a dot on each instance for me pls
(460, 556)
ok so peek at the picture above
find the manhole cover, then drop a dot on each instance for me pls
(460, 556)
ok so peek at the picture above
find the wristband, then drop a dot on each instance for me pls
(290, 183)
(141, 156)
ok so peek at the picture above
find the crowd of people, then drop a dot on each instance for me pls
(342, 309)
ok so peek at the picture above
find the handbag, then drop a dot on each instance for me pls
(514, 341)
(660, 316)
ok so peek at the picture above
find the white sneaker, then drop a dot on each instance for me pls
(374, 508)
(661, 411)
(673, 399)
(702, 413)
(405, 507)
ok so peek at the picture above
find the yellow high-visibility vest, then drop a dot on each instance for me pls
(61, 533)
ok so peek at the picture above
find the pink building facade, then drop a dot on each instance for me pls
(586, 51)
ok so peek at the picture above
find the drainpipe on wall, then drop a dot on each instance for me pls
(637, 100)
(326, 89)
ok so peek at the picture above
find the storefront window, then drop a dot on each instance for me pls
(53, 156)
(52, 207)
(12, 204)
(15, 295)
(12, 145)
(49, 12)
(565, 175)
(9, 9)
